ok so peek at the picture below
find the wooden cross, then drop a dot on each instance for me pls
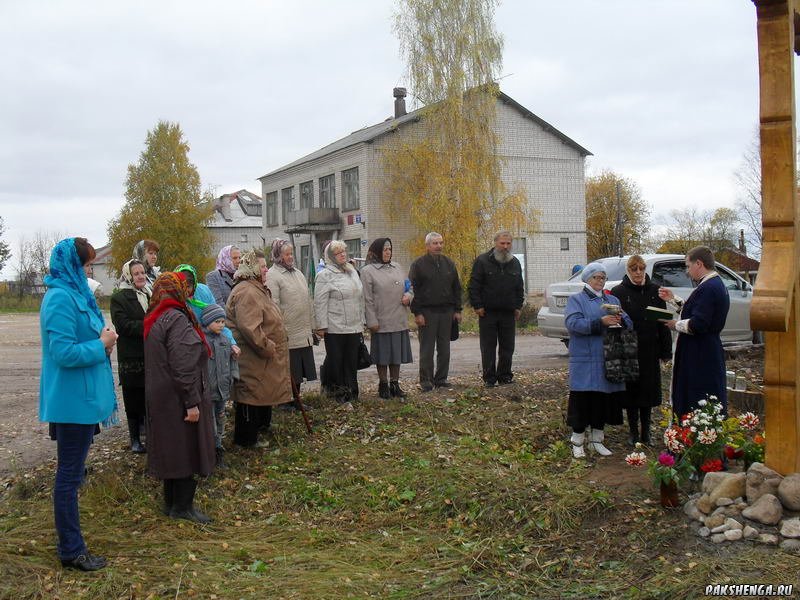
(776, 298)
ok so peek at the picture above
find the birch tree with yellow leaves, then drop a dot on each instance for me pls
(446, 176)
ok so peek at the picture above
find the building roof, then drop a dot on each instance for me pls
(238, 209)
(373, 132)
(737, 260)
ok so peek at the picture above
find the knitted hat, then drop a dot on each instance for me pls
(211, 313)
(591, 269)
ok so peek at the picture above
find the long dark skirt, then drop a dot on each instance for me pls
(593, 409)
(248, 420)
(391, 348)
(341, 365)
(133, 398)
(301, 364)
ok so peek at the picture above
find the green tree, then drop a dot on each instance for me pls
(5, 249)
(602, 230)
(446, 176)
(164, 202)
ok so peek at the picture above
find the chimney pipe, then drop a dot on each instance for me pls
(399, 102)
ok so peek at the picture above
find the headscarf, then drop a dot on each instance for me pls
(184, 268)
(126, 283)
(224, 260)
(66, 272)
(171, 290)
(248, 267)
(140, 254)
(277, 253)
(375, 252)
(330, 260)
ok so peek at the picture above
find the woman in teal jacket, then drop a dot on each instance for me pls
(76, 389)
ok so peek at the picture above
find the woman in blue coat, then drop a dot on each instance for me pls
(76, 390)
(592, 400)
(699, 367)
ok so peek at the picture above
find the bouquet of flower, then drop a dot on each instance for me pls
(746, 442)
(665, 469)
(701, 435)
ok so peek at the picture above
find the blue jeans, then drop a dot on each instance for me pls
(73, 441)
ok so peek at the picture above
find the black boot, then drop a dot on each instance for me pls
(395, 390)
(383, 390)
(646, 426)
(633, 425)
(133, 429)
(183, 502)
(220, 452)
(169, 496)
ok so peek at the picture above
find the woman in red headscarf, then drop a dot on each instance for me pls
(179, 413)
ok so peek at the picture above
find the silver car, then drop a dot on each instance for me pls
(667, 270)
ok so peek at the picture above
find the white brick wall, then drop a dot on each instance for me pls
(550, 171)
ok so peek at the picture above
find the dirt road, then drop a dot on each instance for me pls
(24, 441)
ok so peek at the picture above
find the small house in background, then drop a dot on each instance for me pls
(745, 266)
(336, 192)
(237, 221)
(100, 271)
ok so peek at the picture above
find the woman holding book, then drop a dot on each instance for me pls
(636, 293)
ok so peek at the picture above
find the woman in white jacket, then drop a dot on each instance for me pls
(339, 311)
(290, 292)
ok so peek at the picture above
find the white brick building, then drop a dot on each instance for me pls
(335, 193)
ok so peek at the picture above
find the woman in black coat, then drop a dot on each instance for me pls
(128, 305)
(635, 293)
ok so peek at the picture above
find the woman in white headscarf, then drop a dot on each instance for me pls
(128, 306)
(220, 280)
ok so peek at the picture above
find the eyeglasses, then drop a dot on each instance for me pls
(635, 268)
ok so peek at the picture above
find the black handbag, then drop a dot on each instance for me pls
(364, 359)
(621, 354)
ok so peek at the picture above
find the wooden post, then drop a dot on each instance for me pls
(775, 299)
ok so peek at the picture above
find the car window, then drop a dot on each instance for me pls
(671, 274)
(729, 279)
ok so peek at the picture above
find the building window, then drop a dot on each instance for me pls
(304, 258)
(287, 202)
(565, 243)
(307, 194)
(272, 209)
(350, 189)
(327, 192)
(353, 248)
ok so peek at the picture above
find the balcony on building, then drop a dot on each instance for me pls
(312, 220)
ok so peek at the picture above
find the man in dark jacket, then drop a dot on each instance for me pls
(496, 293)
(436, 304)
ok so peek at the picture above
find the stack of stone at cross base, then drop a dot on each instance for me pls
(760, 505)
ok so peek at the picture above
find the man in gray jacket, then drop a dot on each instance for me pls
(436, 304)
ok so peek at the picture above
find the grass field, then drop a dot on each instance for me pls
(462, 495)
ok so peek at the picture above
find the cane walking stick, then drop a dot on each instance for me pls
(299, 403)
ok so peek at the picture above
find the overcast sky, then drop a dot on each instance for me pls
(665, 93)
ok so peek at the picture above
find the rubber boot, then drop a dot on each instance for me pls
(633, 425)
(577, 444)
(395, 390)
(183, 502)
(646, 426)
(220, 453)
(168, 496)
(596, 442)
(383, 390)
(133, 429)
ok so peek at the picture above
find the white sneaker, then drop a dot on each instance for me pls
(577, 445)
(596, 442)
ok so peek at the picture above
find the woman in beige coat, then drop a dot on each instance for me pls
(290, 292)
(256, 323)
(387, 295)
